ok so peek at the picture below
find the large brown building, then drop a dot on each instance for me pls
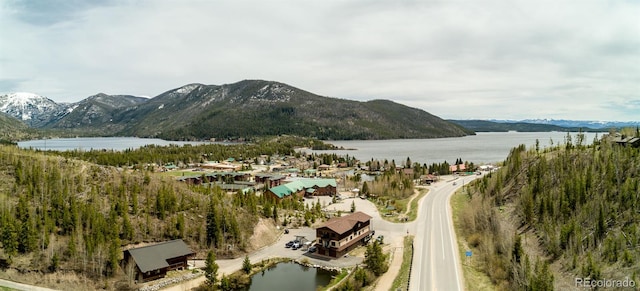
(154, 261)
(340, 235)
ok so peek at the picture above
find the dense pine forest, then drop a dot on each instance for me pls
(550, 216)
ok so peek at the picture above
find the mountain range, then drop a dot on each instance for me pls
(522, 126)
(244, 109)
(575, 123)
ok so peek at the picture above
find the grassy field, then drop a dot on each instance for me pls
(398, 215)
(401, 281)
(474, 278)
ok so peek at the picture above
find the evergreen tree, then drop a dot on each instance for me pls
(246, 264)
(517, 249)
(211, 268)
(375, 259)
(365, 188)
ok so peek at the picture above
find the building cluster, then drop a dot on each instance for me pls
(280, 180)
(630, 141)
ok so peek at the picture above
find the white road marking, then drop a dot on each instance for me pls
(442, 237)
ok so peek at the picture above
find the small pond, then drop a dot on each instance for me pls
(290, 276)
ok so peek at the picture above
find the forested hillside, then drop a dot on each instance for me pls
(248, 109)
(74, 218)
(12, 129)
(550, 216)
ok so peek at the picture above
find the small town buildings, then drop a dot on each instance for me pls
(428, 179)
(303, 187)
(193, 179)
(154, 261)
(407, 172)
(340, 235)
(629, 141)
(227, 177)
(244, 187)
(227, 167)
(324, 167)
(270, 180)
(457, 168)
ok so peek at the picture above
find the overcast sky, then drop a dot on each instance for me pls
(455, 59)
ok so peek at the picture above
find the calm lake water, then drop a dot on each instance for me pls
(485, 147)
(96, 143)
(290, 276)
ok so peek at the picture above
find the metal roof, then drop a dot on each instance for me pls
(300, 184)
(155, 257)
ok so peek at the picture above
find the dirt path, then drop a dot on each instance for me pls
(416, 193)
(395, 250)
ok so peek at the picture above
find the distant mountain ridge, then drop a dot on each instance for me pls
(245, 109)
(541, 125)
(575, 123)
(97, 111)
(491, 126)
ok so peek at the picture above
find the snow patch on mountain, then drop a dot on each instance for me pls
(35, 109)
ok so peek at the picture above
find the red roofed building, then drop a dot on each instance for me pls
(340, 235)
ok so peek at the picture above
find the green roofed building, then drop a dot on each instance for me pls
(302, 187)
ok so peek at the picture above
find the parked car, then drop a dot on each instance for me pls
(312, 249)
(380, 239)
(289, 244)
(296, 245)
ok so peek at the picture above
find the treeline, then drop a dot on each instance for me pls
(187, 154)
(417, 168)
(62, 214)
(579, 204)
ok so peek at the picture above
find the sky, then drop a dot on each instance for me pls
(484, 59)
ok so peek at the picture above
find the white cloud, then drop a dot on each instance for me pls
(455, 59)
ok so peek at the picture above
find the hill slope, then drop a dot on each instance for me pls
(571, 212)
(12, 129)
(97, 112)
(258, 108)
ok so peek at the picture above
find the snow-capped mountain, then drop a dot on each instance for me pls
(577, 123)
(32, 109)
(97, 110)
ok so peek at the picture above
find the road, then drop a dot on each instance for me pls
(436, 262)
(20, 286)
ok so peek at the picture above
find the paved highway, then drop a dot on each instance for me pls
(436, 263)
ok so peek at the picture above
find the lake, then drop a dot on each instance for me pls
(485, 147)
(97, 143)
(290, 276)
